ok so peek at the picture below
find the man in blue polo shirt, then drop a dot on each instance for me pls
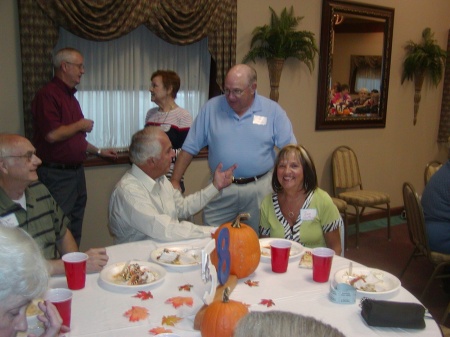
(239, 127)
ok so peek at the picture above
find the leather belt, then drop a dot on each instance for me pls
(62, 166)
(243, 181)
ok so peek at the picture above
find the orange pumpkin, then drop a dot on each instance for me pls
(221, 317)
(245, 251)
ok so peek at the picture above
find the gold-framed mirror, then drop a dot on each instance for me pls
(355, 48)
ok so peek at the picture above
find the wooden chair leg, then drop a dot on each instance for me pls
(444, 318)
(357, 227)
(389, 221)
(436, 271)
(346, 230)
(407, 264)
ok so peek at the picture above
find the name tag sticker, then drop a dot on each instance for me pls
(342, 293)
(9, 221)
(308, 214)
(259, 120)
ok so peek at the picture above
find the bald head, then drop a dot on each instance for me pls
(240, 88)
(244, 72)
(9, 142)
(18, 164)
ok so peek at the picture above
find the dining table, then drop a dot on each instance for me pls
(170, 305)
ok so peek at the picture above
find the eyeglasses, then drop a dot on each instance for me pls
(27, 155)
(236, 92)
(80, 66)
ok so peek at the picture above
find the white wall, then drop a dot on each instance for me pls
(388, 156)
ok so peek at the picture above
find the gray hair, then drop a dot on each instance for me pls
(283, 324)
(23, 270)
(145, 144)
(64, 55)
(365, 90)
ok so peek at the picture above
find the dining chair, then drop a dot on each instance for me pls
(444, 319)
(341, 205)
(347, 185)
(418, 235)
(431, 169)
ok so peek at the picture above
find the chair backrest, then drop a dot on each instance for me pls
(431, 168)
(345, 169)
(415, 219)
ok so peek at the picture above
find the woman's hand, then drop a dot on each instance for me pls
(51, 319)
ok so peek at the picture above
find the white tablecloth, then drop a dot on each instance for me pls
(97, 311)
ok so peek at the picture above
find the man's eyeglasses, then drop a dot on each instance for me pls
(236, 92)
(27, 155)
(78, 65)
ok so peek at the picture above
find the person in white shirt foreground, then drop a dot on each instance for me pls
(144, 204)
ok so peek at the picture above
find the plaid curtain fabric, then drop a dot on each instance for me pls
(444, 123)
(177, 22)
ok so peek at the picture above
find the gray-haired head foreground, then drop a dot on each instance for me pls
(145, 144)
(283, 324)
(23, 270)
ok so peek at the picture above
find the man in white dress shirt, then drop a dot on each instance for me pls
(144, 204)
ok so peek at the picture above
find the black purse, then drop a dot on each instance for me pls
(393, 314)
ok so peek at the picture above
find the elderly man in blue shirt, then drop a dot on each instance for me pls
(239, 127)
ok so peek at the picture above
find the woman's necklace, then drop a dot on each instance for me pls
(291, 213)
(165, 113)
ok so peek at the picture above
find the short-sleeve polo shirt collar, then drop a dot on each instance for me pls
(254, 108)
(63, 86)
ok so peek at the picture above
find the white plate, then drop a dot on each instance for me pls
(177, 257)
(109, 275)
(383, 282)
(296, 248)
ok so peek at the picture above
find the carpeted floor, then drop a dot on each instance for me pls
(377, 252)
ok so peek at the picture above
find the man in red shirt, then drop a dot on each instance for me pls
(60, 137)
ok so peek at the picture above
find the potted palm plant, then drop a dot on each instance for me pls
(278, 41)
(423, 59)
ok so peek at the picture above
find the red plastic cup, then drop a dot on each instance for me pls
(75, 266)
(322, 260)
(279, 253)
(61, 298)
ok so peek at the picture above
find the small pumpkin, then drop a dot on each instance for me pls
(221, 317)
(245, 251)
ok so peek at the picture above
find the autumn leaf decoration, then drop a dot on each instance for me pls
(171, 320)
(144, 295)
(251, 283)
(136, 314)
(179, 301)
(267, 302)
(158, 330)
(185, 287)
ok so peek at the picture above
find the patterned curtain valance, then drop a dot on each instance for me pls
(177, 22)
(365, 61)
